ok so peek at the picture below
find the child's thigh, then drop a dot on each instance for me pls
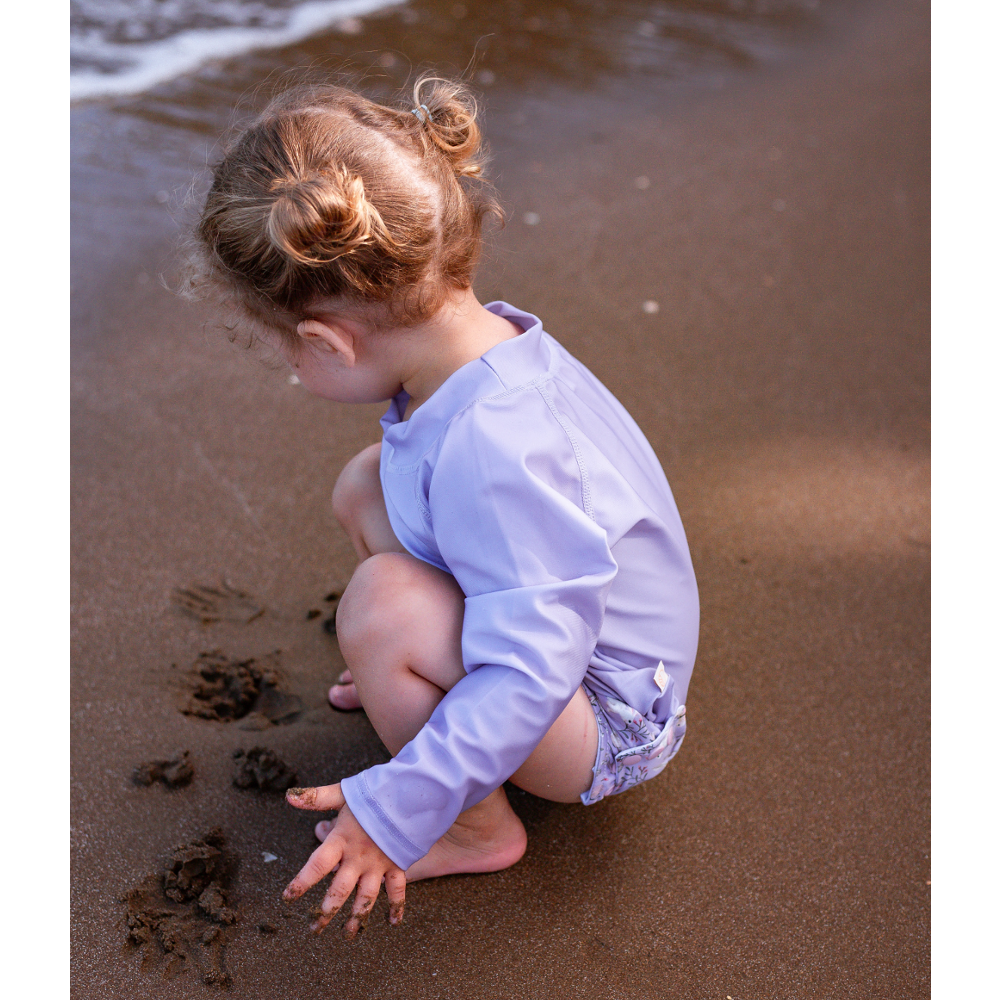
(561, 767)
(359, 505)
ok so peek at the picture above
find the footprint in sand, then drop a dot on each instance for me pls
(224, 603)
(224, 690)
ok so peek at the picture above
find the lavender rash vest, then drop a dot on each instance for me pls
(527, 480)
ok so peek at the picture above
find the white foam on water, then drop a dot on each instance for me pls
(163, 60)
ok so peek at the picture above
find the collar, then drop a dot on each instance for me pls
(508, 365)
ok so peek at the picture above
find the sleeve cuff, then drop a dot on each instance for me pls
(377, 824)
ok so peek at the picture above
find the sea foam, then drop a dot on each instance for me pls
(137, 66)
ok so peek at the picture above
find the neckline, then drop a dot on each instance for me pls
(508, 358)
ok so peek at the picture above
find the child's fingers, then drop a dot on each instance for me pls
(364, 900)
(322, 861)
(340, 888)
(322, 797)
(395, 889)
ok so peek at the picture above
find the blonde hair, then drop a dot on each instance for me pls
(329, 195)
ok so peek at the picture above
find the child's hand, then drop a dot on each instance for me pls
(356, 859)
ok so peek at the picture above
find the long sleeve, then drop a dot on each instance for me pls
(508, 506)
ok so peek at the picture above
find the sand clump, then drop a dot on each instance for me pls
(174, 773)
(224, 689)
(181, 918)
(262, 769)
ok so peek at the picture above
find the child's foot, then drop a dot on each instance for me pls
(343, 694)
(480, 840)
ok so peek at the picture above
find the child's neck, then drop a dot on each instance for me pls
(460, 332)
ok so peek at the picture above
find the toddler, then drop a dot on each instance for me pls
(524, 605)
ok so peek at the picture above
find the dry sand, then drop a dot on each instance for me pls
(784, 384)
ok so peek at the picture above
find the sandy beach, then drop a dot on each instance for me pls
(742, 256)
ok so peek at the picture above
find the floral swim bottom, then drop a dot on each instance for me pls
(630, 748)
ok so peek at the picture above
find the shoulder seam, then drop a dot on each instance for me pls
(585, 497)
(523, 387)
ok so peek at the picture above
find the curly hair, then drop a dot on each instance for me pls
(329, 195)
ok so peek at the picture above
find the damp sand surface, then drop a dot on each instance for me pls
(744, 262)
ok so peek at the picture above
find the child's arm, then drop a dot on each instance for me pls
(512, 523)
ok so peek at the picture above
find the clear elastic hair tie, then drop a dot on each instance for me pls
(423, 115)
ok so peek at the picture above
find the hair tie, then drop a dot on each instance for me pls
(423, 114)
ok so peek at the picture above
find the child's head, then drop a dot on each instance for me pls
(329, 197)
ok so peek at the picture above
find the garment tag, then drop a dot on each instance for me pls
(661, 678)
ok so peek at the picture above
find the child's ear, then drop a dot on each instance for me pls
(329, 336)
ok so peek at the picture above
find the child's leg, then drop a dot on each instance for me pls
(359, 507)
(400, 624)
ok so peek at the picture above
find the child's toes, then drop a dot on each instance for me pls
(322, 829)
(345, 697)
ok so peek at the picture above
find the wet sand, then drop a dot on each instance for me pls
(783, 382)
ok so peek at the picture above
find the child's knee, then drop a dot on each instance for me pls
(357, 485)
(398, 600)
(385, 596)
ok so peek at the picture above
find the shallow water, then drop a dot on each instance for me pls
(157, 81)
(127, 46)
(122, 47)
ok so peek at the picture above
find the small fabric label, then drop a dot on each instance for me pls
(661, 677)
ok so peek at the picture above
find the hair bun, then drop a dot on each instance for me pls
(320, 216)
(450, 122)
(328, 195)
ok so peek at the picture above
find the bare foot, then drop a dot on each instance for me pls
(485, 838)
(343, 694)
